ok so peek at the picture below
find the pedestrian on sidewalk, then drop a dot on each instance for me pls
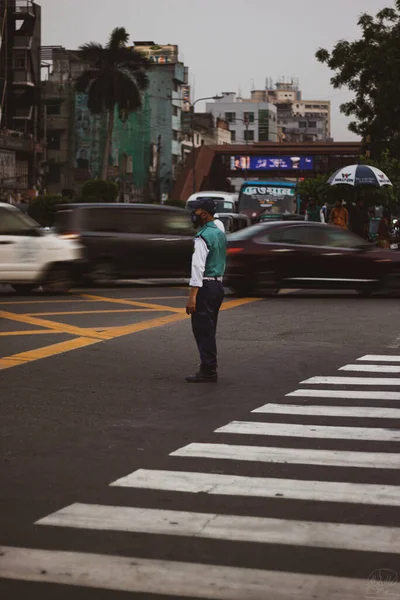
(324, 213)
(313, 212)
(206, 287)
(339, 215)
(384, 231)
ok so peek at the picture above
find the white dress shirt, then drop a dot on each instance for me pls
(199, 262)
(219, 224)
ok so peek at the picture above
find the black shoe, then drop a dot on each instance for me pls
(203, 377)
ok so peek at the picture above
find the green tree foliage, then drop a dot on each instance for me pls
(114, 80)
(370, 67)
(99, 190)
(43, 208)
(316, 188)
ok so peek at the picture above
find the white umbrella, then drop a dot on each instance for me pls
(359, 175)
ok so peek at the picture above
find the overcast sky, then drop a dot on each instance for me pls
(228, 45)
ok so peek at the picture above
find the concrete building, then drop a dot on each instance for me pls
(298, 120)
(20, 148)
(249, 120)
(168, 98)
(75, 138)
(208, 131)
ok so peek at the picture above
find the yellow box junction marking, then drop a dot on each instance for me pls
(90, 336)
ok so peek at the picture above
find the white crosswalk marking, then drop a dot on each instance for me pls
(331, 458)
(346, 394)
(311, 431)
(379, 357)
(175, 578)
(262, 487)
(329, 411)
(352, 381)
(371, 368)
(227, 527)
(192, 579)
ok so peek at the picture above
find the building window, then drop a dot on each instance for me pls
(175, 135)
(54, 140)
(230, 117)
(233, 136)
(53, 107)
(303, 124)
(54, 174)
(248, 135)
(176, 86)
(312, 124)
(175, 111)
(248, 117)
(197, 138)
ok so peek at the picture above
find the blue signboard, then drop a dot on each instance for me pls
(271, 163)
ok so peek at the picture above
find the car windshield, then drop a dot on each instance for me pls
(248, 232)
(223, 206)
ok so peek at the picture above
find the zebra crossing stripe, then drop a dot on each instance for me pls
(173, 578)
(311, 431)
(260, 530)
(261, 487)
(346, 394)
(352, 381)
(380, 358)
(330, 411)
(300, 456)
(371, 368)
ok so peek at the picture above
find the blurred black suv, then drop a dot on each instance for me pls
(129, 241)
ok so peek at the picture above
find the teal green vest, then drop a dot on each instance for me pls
(216, 244)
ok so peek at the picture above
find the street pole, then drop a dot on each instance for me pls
(192, 105)
(193, 148)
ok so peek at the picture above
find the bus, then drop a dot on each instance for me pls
(263, 197)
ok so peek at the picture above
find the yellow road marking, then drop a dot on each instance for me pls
(239, 302)
(46, 352)
(30, 332)
(159, 307)
(89, 337)
(92, 312)
(58, 327)
(78, 298)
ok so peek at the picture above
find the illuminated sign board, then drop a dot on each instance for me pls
(271, 163)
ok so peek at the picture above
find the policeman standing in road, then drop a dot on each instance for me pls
(206, 288)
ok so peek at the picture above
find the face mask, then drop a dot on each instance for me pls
(196, 220)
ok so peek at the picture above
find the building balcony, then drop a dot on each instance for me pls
(13, 140)
(22, 42)
(24, 9)
(23, 78)
(24, 114)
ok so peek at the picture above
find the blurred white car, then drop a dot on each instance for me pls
(29, 257)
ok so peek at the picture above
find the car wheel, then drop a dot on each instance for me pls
(23, 289)
(267, 283)
(102, 272)
(58, 280)
(365, 292)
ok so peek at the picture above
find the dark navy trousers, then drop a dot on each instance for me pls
(204, 322)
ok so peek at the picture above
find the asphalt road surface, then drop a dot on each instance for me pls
(119, 480)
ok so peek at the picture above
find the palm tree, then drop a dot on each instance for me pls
(115, 78)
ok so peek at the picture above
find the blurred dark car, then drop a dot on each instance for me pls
(270, 256)
(129, 241)
(267, 217)
(234, 222)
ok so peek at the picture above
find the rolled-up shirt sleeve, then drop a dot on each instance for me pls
(198, 262)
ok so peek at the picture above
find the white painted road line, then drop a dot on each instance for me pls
(259, 530)
(311, 431)
(346, 394)
(330, 411)
(352, 381)
(371, 368)
(261, 487)
(380, 358)
(174, 578)
(300, 456)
